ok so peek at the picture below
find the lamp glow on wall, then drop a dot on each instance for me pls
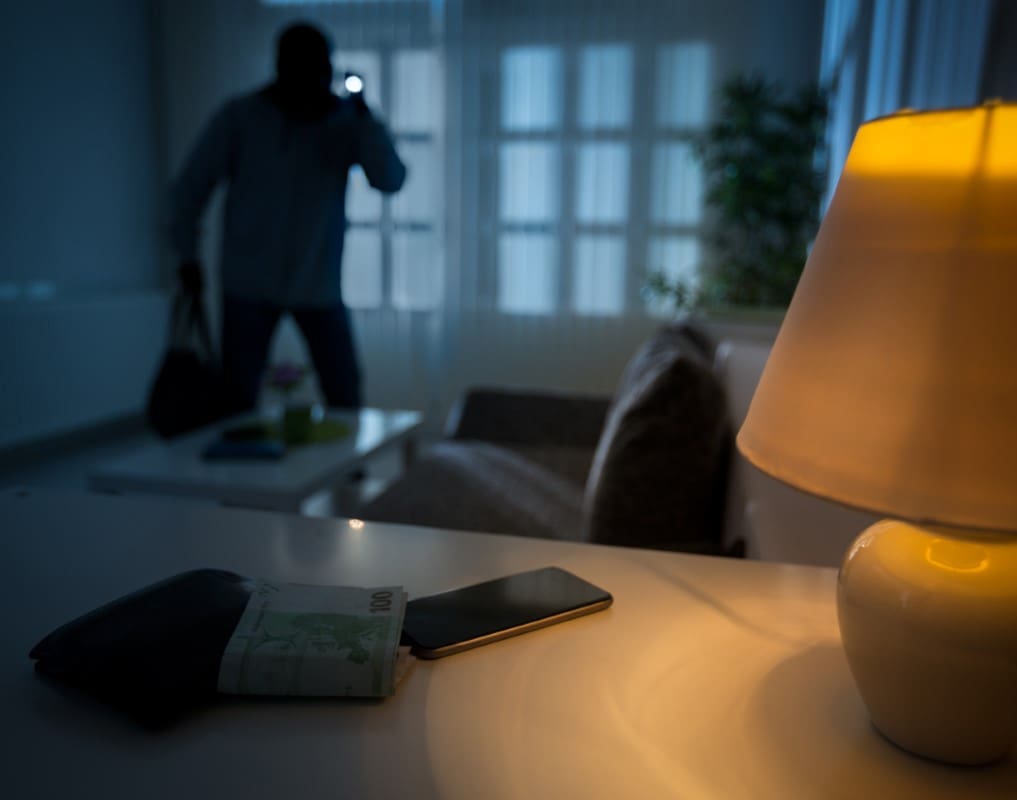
(892, 387)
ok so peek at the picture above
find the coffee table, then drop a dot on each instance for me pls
(177, 468)
(707, 678)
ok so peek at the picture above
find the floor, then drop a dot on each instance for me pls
(67, 467)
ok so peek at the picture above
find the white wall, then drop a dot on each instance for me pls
(81, 317)
(67, 364)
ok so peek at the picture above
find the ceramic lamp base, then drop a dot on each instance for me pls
(928, 617)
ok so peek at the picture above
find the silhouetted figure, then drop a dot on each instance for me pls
(285, 152)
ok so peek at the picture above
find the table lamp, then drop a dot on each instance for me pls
(892, 387)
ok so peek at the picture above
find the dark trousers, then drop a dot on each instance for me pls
(247, 328)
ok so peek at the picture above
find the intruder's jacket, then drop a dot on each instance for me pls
(285, 210)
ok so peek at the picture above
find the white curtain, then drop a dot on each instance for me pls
(551, 168)
(880, 56)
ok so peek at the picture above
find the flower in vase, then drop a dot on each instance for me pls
(285, 377)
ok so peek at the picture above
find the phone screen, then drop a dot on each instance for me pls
(457, 620)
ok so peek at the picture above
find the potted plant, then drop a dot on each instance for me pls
(764, 168)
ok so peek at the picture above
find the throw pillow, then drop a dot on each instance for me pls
(659, 472)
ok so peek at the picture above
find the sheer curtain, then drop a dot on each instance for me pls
(586, 174)
(883, 55)
(574, 125)
(551, 168)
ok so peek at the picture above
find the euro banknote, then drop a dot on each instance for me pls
(299, 639)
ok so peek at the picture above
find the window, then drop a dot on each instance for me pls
(393, 253)
(527, 277)
(603, 179)
(531, 97)
(529, 180)
(549, 163)
(595, 183)
(676, 189)
(599, 285)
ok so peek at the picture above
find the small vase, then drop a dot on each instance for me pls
(297, 421)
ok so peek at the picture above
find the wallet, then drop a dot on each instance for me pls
(154, 653)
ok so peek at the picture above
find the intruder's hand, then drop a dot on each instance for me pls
(190, 276)
(360, 104)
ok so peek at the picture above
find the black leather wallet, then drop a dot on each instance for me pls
(154, 653)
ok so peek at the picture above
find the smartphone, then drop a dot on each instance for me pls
(447, 623)
(244, 450)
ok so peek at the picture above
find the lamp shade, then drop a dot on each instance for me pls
(892, 385)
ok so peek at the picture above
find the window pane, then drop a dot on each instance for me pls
(527, 272)
(363, 204)
(417, 104)
(602, 191)
(677, 185)
(416, 270)
(366, 64)
(420, 197)
(683, 85)
(605, 88)
(531, 88)
(529, 183)
(678, 258)
(362, 269)
(599, 278)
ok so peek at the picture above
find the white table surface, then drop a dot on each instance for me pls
(177, 468)
(708, 678)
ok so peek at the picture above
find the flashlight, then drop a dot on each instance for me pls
(353, 83)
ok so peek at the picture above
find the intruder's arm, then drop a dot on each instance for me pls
(377, 155)
(206, 166)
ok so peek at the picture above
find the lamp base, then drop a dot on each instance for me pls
(928, 618)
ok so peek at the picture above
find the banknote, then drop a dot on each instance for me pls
(299, 639)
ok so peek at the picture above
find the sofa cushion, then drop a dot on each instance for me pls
(478, 486)
(528, 418)
(662, 456)
(568, 463)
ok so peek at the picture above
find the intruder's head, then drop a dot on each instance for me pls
(303, 62)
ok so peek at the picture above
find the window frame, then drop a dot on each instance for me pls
(638, 230)
(386, 227)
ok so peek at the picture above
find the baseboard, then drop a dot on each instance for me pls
(33, 451)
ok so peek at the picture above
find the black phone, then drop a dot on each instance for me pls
(457, 620)
(225, 449)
